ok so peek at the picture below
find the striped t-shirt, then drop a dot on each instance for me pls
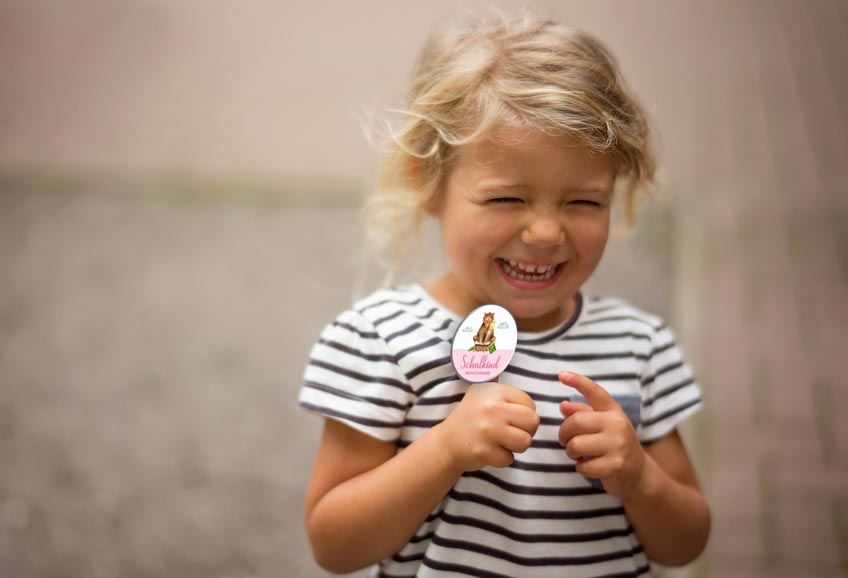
(384, 368)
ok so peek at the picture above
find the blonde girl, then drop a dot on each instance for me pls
(518, 136)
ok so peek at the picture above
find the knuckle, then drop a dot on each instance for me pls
(617, 464)
(486, 428)
(478, 454)
(489, 408)
(622, 421)
(580, 419)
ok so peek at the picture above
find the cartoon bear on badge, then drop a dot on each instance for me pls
(486, 334)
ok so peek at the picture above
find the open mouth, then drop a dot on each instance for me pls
(522, 271)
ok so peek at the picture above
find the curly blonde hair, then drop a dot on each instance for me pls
(530, 73)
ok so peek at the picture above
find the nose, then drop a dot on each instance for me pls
(543, 231)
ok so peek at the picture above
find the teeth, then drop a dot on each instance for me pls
(527, 271)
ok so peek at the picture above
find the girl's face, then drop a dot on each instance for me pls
(525, 220)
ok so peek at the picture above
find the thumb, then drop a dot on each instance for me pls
(569, 408)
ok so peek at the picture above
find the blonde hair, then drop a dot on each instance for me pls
(530, 73)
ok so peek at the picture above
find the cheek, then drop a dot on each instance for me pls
(493, 237)
(478, 236)
(590, 239)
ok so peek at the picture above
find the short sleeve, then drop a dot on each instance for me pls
(352, 377)
(669, 391)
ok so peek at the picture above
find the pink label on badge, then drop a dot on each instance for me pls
(484, 344)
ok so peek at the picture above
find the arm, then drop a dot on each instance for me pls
(364, 502)
(668, 511)
(657, 486)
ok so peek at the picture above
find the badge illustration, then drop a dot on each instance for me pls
(484, 344)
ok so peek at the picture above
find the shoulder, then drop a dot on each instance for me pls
(368, 312)
(404, 308)
(404, 298)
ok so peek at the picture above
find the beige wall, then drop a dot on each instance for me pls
(269, 87)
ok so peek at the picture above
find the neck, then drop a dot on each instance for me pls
(452, 296)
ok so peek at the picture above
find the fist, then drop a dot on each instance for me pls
(491, 423)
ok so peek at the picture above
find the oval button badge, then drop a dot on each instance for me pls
(484, 344)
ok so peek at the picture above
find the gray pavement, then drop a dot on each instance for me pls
(150, 353)
(151, 350)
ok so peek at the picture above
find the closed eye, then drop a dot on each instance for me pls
(504, 200)
(585, 202)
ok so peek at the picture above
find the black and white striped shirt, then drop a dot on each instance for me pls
(384, 368)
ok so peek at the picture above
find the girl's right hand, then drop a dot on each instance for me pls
(491, 423)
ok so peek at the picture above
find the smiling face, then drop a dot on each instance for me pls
(525, 220)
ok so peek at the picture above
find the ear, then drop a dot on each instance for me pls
(433, 206)
(414, 171)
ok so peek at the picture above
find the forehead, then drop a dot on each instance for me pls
(526, 155)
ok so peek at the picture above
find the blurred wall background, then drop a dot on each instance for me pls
(265, 87)
(179, 192)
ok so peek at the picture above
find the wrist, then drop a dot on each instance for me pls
(648, 487)
(438, 439)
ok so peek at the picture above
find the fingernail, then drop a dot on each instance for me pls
(566, 375)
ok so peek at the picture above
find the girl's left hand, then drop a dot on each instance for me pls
(600, 438)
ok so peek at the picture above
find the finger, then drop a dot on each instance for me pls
(524, 418)
(515, 395)
(586, 446)
(500, 457)
(597, 396)
(569, 408)
(580, 423)
(515, 440)
(599, 467)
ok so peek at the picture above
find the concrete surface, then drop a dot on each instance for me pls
(151, 352)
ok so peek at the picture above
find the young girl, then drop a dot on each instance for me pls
(517, 134)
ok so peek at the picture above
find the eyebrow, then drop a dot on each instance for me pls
(505, 186)
(495, 187)
(590, 190)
